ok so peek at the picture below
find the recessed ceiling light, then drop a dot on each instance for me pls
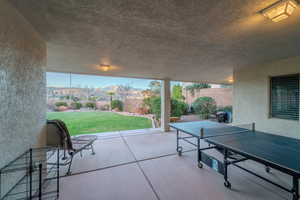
(280, 10)
(104, 67)
(230, 80)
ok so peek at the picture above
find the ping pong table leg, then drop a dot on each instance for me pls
(200, 165)
(295, 188)
(226, 183)
(178, 148)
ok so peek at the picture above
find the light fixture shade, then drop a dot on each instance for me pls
(230, 80)
(104, 67)
(280, 10)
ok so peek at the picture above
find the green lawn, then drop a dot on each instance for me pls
(96, 122)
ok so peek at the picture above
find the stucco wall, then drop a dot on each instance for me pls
(251, 96)
(22, 84)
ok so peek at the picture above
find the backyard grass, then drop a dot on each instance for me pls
(97, 122)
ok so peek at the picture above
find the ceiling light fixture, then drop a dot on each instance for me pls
(104, 67)
(280, 10)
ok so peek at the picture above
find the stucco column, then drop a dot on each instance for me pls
(165, 105)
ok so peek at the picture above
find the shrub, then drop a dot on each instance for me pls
(76, 105)
(75, 99)
(91, 105)
(225, 108)
(62, 108)
(204, 106)
(104, 107)
(178, 108)
(142, 110)
(155, 103)
(61, 103)
(147, 102)
(117, 104)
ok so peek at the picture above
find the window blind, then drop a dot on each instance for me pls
(285, 97)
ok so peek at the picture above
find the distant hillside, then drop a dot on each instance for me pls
(121, 92)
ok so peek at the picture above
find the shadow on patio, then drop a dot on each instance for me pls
(143, 164)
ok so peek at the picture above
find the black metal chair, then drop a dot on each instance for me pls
(59, 136)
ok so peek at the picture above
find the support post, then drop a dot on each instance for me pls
(165, 105)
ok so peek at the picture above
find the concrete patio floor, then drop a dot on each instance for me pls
(143, 164)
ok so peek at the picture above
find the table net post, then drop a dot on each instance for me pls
(253, 127)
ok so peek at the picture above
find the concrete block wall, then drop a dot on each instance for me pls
(222, 96)
(132, 105)
(22, 85)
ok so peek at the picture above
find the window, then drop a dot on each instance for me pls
(285, 97)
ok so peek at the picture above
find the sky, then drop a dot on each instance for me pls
(55, 79)
(63, 80)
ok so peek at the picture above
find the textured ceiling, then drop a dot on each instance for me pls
(191, 40)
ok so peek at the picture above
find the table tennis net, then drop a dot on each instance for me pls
(227, 129)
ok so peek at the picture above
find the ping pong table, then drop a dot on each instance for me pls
(240, 143)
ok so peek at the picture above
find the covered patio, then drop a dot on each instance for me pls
(252, 45)
(144, 164)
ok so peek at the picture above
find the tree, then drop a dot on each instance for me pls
(177, 92)
(111, 94)
(147, 93)
(147, 102)
(117, 104)
(151, 94)
(155, 87)
(196, 86)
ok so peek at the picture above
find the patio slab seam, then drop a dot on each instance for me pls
(128, 135)
(141, 169)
